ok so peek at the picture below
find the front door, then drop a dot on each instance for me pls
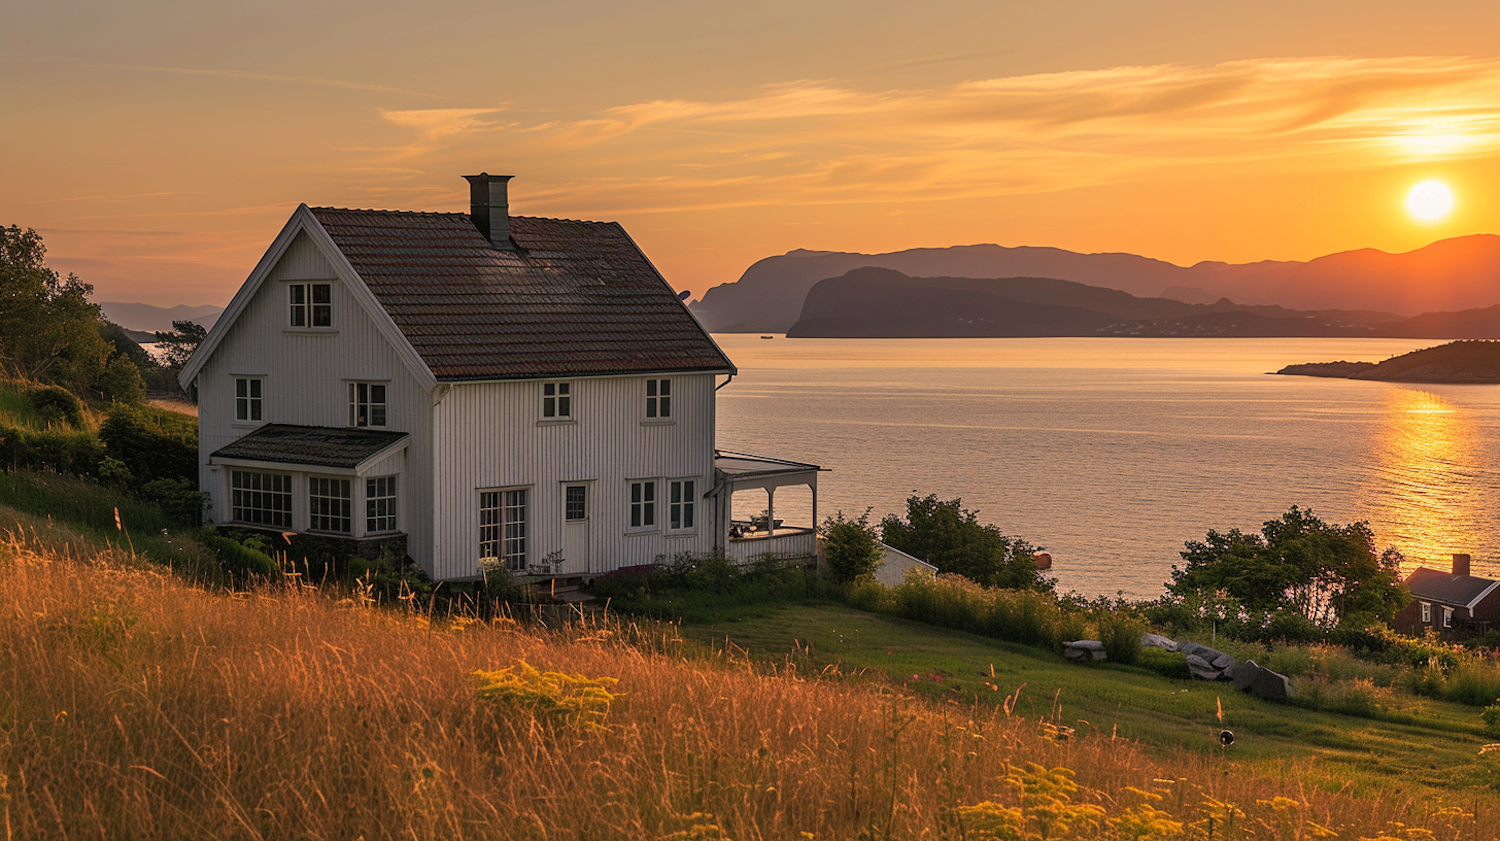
(575, 529)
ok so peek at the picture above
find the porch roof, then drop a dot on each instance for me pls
(317, 446)
(732, 466)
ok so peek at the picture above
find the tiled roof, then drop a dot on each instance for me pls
(318, 446)
(1433, 585)
(576, 298)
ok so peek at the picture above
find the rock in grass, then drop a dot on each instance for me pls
(1202, 669)
(1271, 686)
(1244, 674)
(1149, 640)
(1075, 650)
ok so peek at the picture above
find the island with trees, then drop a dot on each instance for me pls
(1470, 361)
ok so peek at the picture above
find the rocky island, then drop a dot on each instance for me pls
(1475, 361)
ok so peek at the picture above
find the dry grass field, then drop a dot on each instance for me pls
(133, 705)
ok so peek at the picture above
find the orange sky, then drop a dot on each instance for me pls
(159, 146)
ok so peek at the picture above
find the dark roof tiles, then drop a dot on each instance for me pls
(319, 446)
(575, 298)
(1437, 586)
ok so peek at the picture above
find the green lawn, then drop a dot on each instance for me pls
(1435, 753)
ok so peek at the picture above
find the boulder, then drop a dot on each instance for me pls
(1223, 663)
(1093, 648)
(1202, 669)
(1271, 686)
(1158, 641)
(1244, 674)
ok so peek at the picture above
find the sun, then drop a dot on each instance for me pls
(1429, 201)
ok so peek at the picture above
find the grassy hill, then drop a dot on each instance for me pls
(135, 705)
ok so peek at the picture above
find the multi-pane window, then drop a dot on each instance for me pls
(328, 502)
(557, 400)
(576, 502)
(1426, 613)
(502, 527)
(247, 396)
(311, 304)
(261, 499)
(642, 505)
(1447, 617)
(380, 504)
(681, 504)
(658, 398)
(366, 404)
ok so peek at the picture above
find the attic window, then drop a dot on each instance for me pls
(311, 304)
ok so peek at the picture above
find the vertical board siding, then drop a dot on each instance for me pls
(305, 378)
(488, 436)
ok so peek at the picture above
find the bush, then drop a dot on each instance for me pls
(1491, 719)
(851, 547)
(1121, 634)
(121, 382)
(238, 560)
(55, 404)
(179, 499)
(153, 443)
(58, 450)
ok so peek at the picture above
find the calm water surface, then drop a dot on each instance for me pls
(1112, 452)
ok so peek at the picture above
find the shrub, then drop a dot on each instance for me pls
(58, 450)
(238, 560)
(121, 382)
(153, 443)
(179, 499)
(850, 546)
(1491, 719)
(55, 403)
(1121, 634)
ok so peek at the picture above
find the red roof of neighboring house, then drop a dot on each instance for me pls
(1445, 587)
(575, 298)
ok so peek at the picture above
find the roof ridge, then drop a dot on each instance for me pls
(452, 213)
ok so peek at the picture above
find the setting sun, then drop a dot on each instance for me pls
(1429, 201)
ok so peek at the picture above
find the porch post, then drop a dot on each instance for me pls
(771, 510)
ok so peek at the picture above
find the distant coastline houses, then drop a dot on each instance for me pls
(468, 389)
(1453, 603)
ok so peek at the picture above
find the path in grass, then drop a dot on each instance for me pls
(1436, 754)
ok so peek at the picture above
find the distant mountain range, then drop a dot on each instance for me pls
(150, 319)
(875, 302)
(1447, 276)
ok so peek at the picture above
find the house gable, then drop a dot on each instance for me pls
(304, 225)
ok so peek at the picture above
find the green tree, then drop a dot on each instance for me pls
(951, 538)
(121, 381)
(178, 346)
(49, 329)
(850, 546)
(1329, 574)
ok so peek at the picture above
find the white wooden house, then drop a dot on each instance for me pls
(462, 387)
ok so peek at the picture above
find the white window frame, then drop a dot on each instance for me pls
(682, 505)
(659, 398)
(262, 499)
(582, 503)
(304, 310)
(369, 404)
(381, 497)
(503, 519)
(327, 509)
(557, 400)
(1426, 613)
(642, 501)
(249, 407)
(1447, 617)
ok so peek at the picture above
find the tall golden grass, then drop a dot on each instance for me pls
(136, 706)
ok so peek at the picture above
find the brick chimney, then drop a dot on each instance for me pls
(1460, 564)
(489, 207)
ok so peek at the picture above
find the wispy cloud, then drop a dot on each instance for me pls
(822, 141)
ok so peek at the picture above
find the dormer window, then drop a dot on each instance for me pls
(311, 304)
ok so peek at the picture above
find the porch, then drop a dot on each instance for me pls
(751, 531)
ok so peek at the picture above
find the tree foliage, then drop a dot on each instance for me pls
(49, 329)
(1298, 564)
(850, 546)
(951, 538)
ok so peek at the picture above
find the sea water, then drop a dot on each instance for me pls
(1110, 453)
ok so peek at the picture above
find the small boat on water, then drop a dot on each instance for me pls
(768, 337)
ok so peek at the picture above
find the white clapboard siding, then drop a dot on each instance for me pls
(305, 382)
(492, 436)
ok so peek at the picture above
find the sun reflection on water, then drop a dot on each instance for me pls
(1422, 497)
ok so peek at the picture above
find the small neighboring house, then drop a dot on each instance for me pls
(1450, 603)
(475, 388)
